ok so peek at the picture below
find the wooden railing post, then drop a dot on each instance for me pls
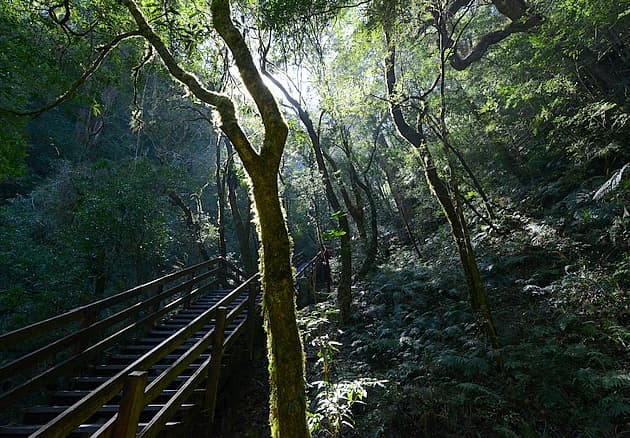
(222, 274)
(251, 318)
(88, 318)
(131, 405)
(189, 289)
(157, 306)
(212, 385)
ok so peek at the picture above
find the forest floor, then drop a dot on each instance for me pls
(415, 363)
(242, 409)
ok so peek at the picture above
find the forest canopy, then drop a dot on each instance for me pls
(464, 166)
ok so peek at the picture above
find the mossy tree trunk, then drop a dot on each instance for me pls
(344, 286)
(287, 400)
(286, 359)
(220, 182)
(371, 250)
(450, 204)
(355, 208)
(241, 221)
(344, 291)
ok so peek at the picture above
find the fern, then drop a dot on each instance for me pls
(612, 183)
(477, 389)
(616, 405)
(616, 380)
(466, 366)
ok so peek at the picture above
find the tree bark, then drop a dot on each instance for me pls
(220, 182)
(450, 205)
(192, 223)
(344, 287)
(391, 177)
(371, 250)
(241, 226)
(286, 360)
(287, 401)
(354, 208)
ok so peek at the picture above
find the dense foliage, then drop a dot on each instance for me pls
(126, 177)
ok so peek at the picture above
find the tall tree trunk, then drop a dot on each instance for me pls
(392, 177)
(286, 361)
(344, 287)
(287, 401)
(370, 246)
(354, 208)
(344, 292)
(242, 226)
(220, 182)
(371, 250)
(450, 205)
(191, 222)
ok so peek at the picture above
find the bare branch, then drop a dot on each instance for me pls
(104, 51)
(135, 71)
(223, 104)
(489, 39)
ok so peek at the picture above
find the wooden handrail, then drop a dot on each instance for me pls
(131, 405)
(308, 265)
(35, 357)
(207, 369)
(56, 322)
(68, 420)
(124, 320)
(75, 361)
(153, 428)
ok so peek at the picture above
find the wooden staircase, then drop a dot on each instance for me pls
(144, 362)
(155, 380)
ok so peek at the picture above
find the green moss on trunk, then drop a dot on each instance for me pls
(286, 360)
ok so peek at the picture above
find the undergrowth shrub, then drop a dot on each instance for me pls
(564, 343)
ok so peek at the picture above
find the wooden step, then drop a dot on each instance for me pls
(83, 431)
(43, 414)
(70, 397)
(110, 370)
(126, 359)
(139, 350)
(164, 332)
(118, 359)
(92, 382)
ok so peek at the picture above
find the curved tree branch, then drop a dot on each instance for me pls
(275, 126)
(66, 12)
(461, 63)
(222, 103)
(104, 51)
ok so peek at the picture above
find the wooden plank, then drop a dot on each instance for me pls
(307, 266)
(234, 334)
(212, 384)
(153, 428)
(251, 318)
(131, 405)
(64, 423)
(237, 311)
(68, 365)
(161, 382)
(53, 323)
(67, 421)
(33, 358)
